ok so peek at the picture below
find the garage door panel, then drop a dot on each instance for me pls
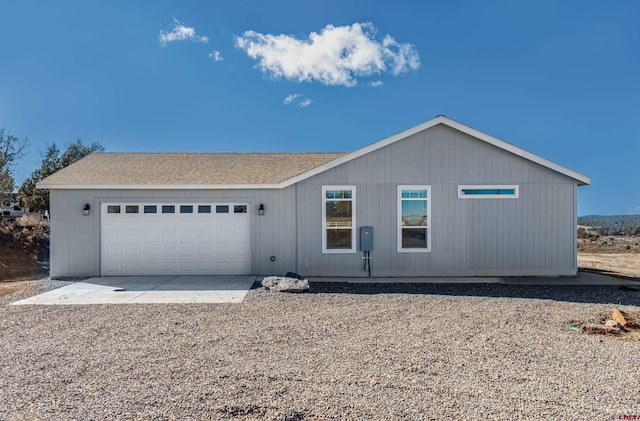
(187, 236)
(223, 251)
(113, 253)
(112, 237)
(151, 252)
(131, 251)
(132, 267)
(205, 252)
(168, 224)
(169, 251)
(131, 237)
(205, 236)
(168, 267)
(205, 223)
(239, 265)
(133, 223)
(152, 237)
(167, 236)
(151, 267)
(151, 224)
(187, 267)
(186, 251)
(206, 243)
(187, 224)
(111, 224)
(114, 267)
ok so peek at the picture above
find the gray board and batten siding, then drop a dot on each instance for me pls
(531, 235)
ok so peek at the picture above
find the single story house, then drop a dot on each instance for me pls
(438, 199)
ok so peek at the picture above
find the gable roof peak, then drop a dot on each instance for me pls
(442, 119)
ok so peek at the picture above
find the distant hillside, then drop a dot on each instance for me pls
(612, 224)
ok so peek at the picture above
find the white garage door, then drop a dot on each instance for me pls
(175, 238)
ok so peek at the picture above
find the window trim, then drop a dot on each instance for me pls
(515, 187)
(325, 250)
(399, 218)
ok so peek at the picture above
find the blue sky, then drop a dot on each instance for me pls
(558, 78)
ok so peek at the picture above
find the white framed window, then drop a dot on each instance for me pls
(338, 219)
(489, 192)
(414, 219)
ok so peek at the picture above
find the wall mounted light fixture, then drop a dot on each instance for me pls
(261, 209)
(86, 210)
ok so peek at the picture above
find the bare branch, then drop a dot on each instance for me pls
(11, 149)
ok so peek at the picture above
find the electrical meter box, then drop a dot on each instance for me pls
(366, 238)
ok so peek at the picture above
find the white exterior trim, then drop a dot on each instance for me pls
(581, 178)
(325, 250)
(399, 219)
(516, 194)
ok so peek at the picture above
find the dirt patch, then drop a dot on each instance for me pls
(11, 287)
(609, 245)
(616, 323)
(24, 248)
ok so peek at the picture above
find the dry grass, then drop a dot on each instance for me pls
(627, 264)
(616, 255)
(7, 288)
(31, 220)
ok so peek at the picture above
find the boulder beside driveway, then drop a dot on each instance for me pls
(284, 284)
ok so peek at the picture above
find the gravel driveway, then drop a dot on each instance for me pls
(485, 351)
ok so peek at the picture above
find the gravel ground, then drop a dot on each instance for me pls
(343, 351)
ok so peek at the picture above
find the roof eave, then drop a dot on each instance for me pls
(581, 179)
(157, 186)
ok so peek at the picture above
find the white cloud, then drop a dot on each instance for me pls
(338, 55)
(298, 99)
(180, 33)
(376, 84)
(215, 55)
(290, 98)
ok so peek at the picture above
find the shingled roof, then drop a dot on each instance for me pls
(103, 169)
(243, 170)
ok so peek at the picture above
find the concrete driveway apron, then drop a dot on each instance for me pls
(147, 290)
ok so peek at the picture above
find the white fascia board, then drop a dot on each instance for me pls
(581, 178)
(367, 149)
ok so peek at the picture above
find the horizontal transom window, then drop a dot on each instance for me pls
(488, 192)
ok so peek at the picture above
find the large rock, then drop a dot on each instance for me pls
(621, 317)
(284, 284)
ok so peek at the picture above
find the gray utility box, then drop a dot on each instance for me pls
(366, 238)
